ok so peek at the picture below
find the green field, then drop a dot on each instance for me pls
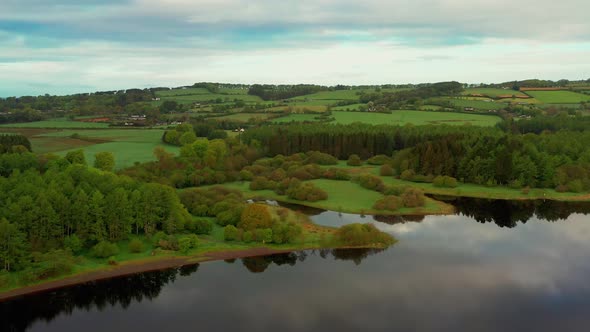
(400, 118)
(195, 95)
(559, 97)
(343, 196)
(244, 117)
(56, 123)
(492, 92)
(296, 118)
(477, 104)
(352, 107)
(128, 145)
(416, 118)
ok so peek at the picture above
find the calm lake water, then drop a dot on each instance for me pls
(496, 266)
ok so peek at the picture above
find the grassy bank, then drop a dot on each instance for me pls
(344, 196)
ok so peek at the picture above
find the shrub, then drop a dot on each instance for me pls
(354, 160)
(136, 246)
(169, 242)
(105, 249)
(248, 236)
(362, 235)
(389, 203)
(262, 183)
(526, 190)
(231, 233)
(73, 243)
(187, 243)
(379, 159)
(255, 216)
(229, 217)
(112, 261)
(306, 192)
(575, 186)
(444, 181)
(199, 226)
(263, 235)
(394, 190)
(413, 197)
(386, 170)
(336, 174)
(320, 158)
(286, 232)
(561, 188)
(371, 182)
(408, 175)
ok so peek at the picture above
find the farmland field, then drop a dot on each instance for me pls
(296, 118)
(401, 118)
(127, 145)
(242, 117)
(492, 92)
(56, 123)
(559, 97)
(348, 107)
(416, 118)
(478, 104)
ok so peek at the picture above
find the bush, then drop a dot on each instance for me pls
(200, 226)
(306, 192)
(231, 233)
(389, 203)
(371, 182)
(413, 197)
(386, 170)
(354, 160)
(169, 242)
(255, 216)
(408, 175)
(526, 190)
(444, 181)
(575, 186)
(286, 232)
(379, 159)
(112, 261)
(105, 249)
(394, 190)
(320, 158)
(263, 235)
(188, 242)
(73, 243)
(136, 246)
(248, 236)
(336, 174)
(362, 235)
(561, 188)
(262, 183)
(4, 279)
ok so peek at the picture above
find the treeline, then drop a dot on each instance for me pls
(395, 100)
(70, 208)
(278, 92)
(539, 124)
(341, 141)
(487, 156)
(10, 142)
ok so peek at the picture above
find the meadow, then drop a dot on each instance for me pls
(559, 97)
(243, 117)
(56, 123)
(415, 118)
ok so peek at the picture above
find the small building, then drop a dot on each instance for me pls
(469, 109)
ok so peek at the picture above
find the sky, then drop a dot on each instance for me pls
(70, 46)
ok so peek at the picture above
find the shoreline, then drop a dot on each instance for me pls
(140, 266)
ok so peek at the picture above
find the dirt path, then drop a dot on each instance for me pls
(128, 268)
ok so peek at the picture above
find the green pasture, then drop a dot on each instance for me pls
(559, 97)
(56, 123)
(492, 92)
(416, 118)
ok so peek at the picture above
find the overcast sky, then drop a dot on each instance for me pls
(66, 46)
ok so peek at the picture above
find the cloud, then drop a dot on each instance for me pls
(140, 42)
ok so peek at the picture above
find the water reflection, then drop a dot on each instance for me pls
(19, 314)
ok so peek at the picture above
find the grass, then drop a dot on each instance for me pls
(296, 118)
(416, 118)
(352, 107)
(127, 145)
(244, 117)
(559, 97)
(492, 92)
(192, 95)
(56, 123)
(477, 104)
(343, 196)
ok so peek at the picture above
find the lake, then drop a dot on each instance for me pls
(496, 265)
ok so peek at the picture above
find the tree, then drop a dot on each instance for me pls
(231, 233)
(76, 157)
(255, 216)
(104, 161)
(354, 160)
(12, 245)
